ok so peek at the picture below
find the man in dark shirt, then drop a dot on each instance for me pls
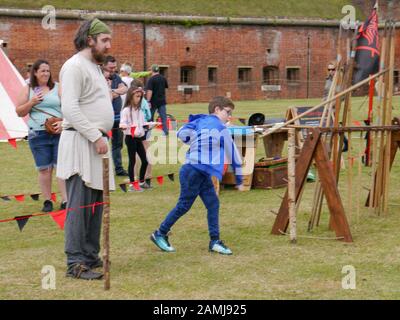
(155, 94)
(118, 88)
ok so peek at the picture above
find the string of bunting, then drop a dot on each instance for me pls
(21, 197)
(35, 196)
(58, 216)
(136, 185)
(13, 141)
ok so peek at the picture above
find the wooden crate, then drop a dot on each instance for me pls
(266, 178)
(248, 153)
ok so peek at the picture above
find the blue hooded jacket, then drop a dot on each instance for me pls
(211, 146)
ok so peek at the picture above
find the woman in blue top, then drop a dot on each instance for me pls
(39, 99)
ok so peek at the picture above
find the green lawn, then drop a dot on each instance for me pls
(263, 266)
(325, 9)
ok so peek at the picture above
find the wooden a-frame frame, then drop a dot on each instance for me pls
(315, 149)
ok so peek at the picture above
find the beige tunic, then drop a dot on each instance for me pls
(86, 107)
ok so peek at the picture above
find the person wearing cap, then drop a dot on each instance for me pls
(156, 96)
(88, 116)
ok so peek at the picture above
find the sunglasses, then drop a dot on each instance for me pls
(331, 69)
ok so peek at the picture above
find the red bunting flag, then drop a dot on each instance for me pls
(160, 180)
(19, 197)
(133, 129)
(136, 185)
(59, 217)
(109, 134)
(54, 197)
(13, 142)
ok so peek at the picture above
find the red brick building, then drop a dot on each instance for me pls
(255, 59)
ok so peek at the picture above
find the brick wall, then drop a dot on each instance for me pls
(223, 47)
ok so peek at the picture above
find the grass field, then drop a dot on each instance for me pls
(263, 266)
(325, 9)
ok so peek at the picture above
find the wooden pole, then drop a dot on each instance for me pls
(106, 222)
(373, 197)
(350, 168)
(389, 120)
(381, 162)
(292, 183)
(359, 176)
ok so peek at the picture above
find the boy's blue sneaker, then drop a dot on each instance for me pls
(161, 242)
(220, 247)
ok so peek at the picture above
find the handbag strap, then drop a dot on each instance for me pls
(45, 112)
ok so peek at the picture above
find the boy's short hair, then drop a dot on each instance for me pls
(220, 102)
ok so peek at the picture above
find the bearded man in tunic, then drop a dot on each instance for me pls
(88, 116)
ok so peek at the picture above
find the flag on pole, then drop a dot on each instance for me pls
(367, 51)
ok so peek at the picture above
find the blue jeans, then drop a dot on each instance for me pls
(162, 111)
(44, 147)
(194, 183)
(116, 147)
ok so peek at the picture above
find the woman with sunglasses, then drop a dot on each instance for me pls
(329, 78)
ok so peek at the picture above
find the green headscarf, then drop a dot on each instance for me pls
(97, 27)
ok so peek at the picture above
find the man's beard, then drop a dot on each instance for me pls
(98, 56)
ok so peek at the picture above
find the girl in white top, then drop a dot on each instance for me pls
(132, 123)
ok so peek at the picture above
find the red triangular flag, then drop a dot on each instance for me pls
(133, 129)
(13, 142)
(54, 197)
(59, 217)
(160, 180)
(136, 185)
(109, 134)
(20, 197)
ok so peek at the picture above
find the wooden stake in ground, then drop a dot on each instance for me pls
(292, 183)
(390, 86)
(106, 222)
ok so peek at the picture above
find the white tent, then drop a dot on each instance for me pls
(11, 84)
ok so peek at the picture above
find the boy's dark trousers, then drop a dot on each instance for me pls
(194, 183)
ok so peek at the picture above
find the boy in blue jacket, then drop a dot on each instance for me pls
(211, 146)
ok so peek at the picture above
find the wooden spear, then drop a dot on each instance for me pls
(106, 221)
(389, 120)
(292, 183)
